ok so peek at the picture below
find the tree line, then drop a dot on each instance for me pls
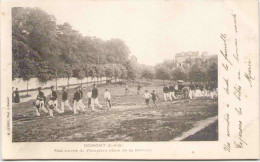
(44, 49)
(201, 69)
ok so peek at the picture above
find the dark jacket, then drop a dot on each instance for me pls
(165, 89)
(94, 93)
(192, 86)
(64, 96)
(76, 96)
(40, 96)
(81, 94)
(171, 89)
(54, 95)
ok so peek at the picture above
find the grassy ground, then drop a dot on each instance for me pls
(210, 133)
(128, 120)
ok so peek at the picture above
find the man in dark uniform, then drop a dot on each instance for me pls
(76, 99)
(171, 92)
(53, 102)
(64, 100)
(192, 89)
(154, 96)
(139, 88)
(40, 102)
(165, 92)
(94, 98)
(17, 96)
(80, 102)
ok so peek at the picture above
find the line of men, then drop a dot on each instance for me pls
(190, 91)
(51, 105)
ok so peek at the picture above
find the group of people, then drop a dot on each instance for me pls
(190, 91)
(15, 95)
(51, 105)
(171, 92)
(185, 91)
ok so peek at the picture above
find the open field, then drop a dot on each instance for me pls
(128, 120)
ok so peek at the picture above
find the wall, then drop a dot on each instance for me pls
(34, 83)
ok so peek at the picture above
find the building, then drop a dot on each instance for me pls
(187, 58)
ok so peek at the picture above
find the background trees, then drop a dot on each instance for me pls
(46, 50)
(147, 74)
(162, 72)
(179, 74)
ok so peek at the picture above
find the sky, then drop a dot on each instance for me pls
(154, 31)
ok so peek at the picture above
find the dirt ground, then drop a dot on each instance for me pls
(128, 120)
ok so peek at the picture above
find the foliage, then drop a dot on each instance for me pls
(179, 74)
(162, 72)
(147, 73)
(44, 49)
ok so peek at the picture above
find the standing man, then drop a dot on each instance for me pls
(53, 103)
(80, 103)
(154, 96)
(192, 90)
(165, 92)
(76, 99)
(171, 92)
(147, 96)
(139, 88)
(89, 94)
(40, 102)
(185, 91)
(17, 96)
(64, 100)
(94, 98)
(126, 91)
(107, 97)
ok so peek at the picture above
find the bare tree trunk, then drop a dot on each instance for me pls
(68, 83)
(87, 81)
(27, 86)
(56, 83)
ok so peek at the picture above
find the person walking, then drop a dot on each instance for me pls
(94, 98)
(81, 106)
(64, 100)
(107, 97)
(76, 99)
(53, 102)
(165, 92)
(16, 96)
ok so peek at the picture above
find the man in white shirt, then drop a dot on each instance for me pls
(147, 96)
(89, 94)
(80, 102)
(107, 97)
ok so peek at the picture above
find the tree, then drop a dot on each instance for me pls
(147, 74)
(162, 72)
(212, 72)
(131, 70)
(117, 71)
(57, 50)
(196, 73)
(179, 74)
(109, 70)
(44, 72)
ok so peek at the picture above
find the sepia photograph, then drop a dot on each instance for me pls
(102, 75)
(130, 80)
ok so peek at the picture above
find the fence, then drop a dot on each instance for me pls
(34, 83)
